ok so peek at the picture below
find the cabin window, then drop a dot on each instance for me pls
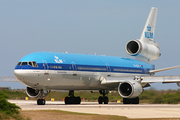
(59, 67)
(92, 68)
(128, 70)
(56, 67)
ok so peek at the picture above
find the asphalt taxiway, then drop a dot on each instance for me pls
(130, 111)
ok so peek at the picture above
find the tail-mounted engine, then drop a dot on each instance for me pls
(149, 51)
(35, 93)
(130, 89)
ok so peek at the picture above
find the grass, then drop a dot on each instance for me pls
(15, 94)
(64, 115)
(148, 96)
(11, 111)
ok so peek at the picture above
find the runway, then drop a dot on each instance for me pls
(130, 111)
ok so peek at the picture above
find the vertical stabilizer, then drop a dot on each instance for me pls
(145, 49)
(149, 28)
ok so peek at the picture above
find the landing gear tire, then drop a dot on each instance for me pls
(126, 101)
(100, 100)
(41, 102)
(72, 99)
(106, 100)
(131, 100)
(78, 100)
(103, 99)
(135, 100)
(67, 100)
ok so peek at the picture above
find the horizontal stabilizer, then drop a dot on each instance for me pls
(8, 79)
(164, 69)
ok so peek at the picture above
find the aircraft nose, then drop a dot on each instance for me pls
(19, 75)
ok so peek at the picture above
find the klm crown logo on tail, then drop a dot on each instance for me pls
(149, 28)
(148, 34)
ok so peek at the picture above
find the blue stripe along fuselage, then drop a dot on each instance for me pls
(81, 62)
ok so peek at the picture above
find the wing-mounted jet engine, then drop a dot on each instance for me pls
(36, 93)
(130, 91)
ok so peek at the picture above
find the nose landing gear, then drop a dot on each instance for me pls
(43, 93)
(41, 101)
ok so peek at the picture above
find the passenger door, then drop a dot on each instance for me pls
(74, 68)
(108, 69)
(46, 67)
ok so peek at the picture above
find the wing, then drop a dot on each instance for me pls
(144, 80)
(9, 79)
(163, 79)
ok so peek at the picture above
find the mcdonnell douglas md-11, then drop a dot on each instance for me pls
(42, 72)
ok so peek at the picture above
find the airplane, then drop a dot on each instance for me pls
(42, 72)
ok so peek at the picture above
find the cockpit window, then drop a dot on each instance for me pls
(35, 64)
(24, 63)
(19, 63)
(31, 63)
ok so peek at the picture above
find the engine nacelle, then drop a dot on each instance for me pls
(130, 89)
(35, 93)
(149, 50)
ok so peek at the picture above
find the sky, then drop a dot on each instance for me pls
(88, 27)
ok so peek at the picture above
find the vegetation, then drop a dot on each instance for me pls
(8, 110)
(11, 111)
(15, 94)
(160, 97)
(148, 96)
(63, 115)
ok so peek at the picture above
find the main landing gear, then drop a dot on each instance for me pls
(103, 98)
(72, 99)
(131, 100)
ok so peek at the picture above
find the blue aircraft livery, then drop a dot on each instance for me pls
(80, 62)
